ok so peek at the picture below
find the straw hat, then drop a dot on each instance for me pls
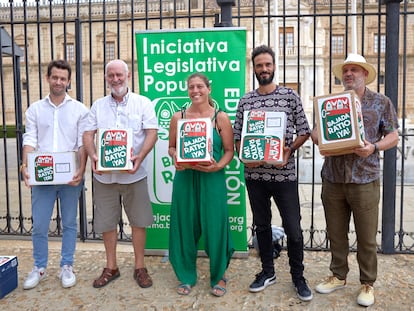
(355, 59)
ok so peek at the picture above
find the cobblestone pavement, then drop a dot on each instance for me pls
(394, 287)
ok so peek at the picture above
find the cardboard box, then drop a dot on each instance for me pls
(114, 149)
(339, 122)
(263, 136)
(8, 274)
(194, 141)
(51, 168)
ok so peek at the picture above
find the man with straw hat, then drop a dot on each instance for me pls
(351, 182)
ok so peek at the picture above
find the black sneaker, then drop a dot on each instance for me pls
(262, 281)
(302, 290)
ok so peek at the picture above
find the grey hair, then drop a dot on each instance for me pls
(116, 61)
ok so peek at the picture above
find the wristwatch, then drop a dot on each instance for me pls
(376, 148)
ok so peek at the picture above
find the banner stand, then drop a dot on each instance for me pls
(165, 59)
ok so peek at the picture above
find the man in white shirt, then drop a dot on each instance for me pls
(120, 110)
(55, 124)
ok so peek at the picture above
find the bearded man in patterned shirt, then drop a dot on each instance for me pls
(351, 182)
(265, 181)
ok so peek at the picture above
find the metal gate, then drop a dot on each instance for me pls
(309, 37)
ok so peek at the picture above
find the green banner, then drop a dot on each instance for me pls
(165, 60)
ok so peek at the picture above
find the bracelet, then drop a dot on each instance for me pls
(376, 148)
(22, 167)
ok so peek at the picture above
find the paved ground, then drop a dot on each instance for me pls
(394, 287)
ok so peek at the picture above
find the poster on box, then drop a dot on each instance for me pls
(51, 168)
(114, 150)
(194, 141)
(339, 122)
(263, 136)
(262, 148)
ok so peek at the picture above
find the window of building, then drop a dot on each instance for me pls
(70, 52)
(338, 44)
(194, 4)
(23, 57)
(337, 81)
(110, 50)
(24, 85)
(286, 37)
(381, 78)
(381, 40)
(294, 86)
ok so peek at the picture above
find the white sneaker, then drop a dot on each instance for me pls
(67, 276)
(329, 285)
(34, 277)
(366, 295)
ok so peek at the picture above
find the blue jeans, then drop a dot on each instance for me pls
(43, 203)
(286, 197)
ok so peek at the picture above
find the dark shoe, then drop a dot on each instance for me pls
(142, 277)
(262, 281)
(108, 275)
(302, 290)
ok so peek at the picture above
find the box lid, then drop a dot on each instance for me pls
(7, 263)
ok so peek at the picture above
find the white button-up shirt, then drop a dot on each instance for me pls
(135, 112)
(51, 128)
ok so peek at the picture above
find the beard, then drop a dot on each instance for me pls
(119, 91)
(354, 84)
(265, 81)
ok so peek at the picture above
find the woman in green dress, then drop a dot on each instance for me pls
(199, 197)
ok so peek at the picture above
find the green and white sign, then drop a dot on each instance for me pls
(165, 60)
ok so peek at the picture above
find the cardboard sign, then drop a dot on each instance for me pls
(263, 136)
(114, 150)
(194, 141)
(339, 122)
(53, 168)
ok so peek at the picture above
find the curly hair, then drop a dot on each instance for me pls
(263, 49)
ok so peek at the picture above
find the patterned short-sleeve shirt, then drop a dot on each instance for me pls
(282, 99)
(380, 119)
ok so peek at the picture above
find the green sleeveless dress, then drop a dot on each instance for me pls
(199, 210)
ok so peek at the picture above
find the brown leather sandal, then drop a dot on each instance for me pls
(107, 276)
(142, 277)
